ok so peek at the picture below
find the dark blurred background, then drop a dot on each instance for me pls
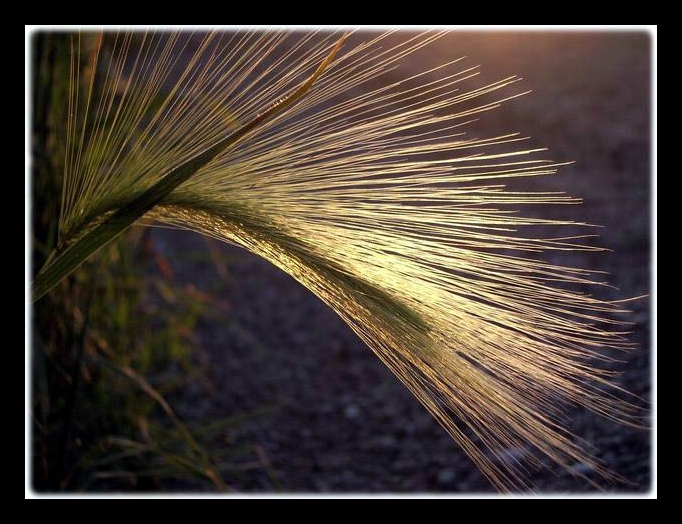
(277, 393)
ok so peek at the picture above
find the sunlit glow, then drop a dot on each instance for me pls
(369, 193)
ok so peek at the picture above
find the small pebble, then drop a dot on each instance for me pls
(446, 477)
(352, 412)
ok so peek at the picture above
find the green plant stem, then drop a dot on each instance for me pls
(63, 264)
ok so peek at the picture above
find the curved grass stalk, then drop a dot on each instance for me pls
(204, 467)
(369, 193)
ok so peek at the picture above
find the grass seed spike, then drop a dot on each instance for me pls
(369, 192)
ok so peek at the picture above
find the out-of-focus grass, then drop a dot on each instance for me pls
(111, 344)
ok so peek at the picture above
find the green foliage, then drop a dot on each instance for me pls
(110, 344)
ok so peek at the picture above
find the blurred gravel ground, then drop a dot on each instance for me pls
(335, 419)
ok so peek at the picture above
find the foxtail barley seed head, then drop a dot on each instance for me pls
(369, 192)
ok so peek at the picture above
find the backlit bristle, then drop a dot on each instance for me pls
(369, 192)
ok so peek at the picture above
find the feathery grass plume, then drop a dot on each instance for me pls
(369, 192)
